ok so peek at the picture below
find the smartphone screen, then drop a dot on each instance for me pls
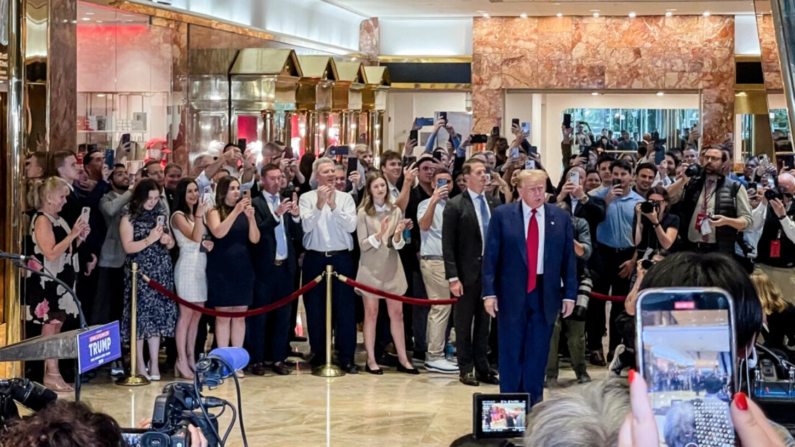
(247, 195)
(413, 135)
(161, 220)
(495, 131)
(567, 120)
(423, 122)
(353, 165)
(125, 140)
(241, 143)
(443, 115)
(514, 153)
(526, 128)
(530, 164)
(515, 122)
(687, 357)
(771, 182)
(574, 176)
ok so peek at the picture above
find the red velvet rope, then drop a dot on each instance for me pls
(615, 299)
(392, 296)
(218, 313)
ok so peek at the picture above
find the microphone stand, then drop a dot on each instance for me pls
(83, 325)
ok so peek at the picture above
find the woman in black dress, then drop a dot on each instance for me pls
(656, 229)
(230, 272)
(146, 240)
(54, 246)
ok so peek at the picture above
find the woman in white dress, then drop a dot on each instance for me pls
(189, 273)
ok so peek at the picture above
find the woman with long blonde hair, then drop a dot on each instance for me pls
(379, 226)
(778, 332)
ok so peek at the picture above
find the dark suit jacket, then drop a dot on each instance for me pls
(264, 252)
(505, 261)
(462, 244)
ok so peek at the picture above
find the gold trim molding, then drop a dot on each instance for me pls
(747, 58)
(426, 59)
(427, 86)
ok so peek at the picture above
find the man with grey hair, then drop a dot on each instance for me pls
(328, 217)
(775, 252)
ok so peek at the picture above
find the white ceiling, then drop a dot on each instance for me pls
(467, 8)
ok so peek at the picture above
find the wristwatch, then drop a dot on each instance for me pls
(782, 217)
(655, 225)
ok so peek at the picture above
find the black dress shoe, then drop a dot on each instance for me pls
(377, 372)
(469, 379)
(489, 378)
(597, 359)
(258, 369)
(412, 371)
(350, 368)
(281, 369)
(418, 355)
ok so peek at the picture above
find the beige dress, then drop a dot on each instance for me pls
(379, 265)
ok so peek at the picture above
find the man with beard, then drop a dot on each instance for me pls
(644, 178)
(173, 173)
(714, 207)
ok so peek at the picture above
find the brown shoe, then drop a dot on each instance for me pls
(597, 359)
(258, 369)
(281, 369)
(469, 379)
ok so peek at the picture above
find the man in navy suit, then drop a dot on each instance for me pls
(529, 254)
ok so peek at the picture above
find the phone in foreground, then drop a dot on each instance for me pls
(499, 416)
(480, 138)
(687, 357)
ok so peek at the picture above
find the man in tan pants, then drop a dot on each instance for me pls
(429, 216)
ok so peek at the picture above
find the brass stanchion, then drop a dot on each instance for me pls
(328, 370)
(133, 379)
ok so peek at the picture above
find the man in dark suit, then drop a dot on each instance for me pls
(275, 263)
(529, 252)
(466, 222)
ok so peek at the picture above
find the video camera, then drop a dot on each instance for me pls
(30, 394)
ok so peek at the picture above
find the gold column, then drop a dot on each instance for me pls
(379, 132)
(268, 125)
(329, 369)
(372, 134)
(15, 150)
(287, 129)
(345, 127)
(323, 128)
(311, 131)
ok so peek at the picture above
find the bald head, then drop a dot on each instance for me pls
(786, 183)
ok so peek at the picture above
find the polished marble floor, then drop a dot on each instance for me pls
(356, 410)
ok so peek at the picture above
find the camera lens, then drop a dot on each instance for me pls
(646, 207)
(646, 264)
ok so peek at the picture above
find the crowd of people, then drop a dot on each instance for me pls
(241, 228)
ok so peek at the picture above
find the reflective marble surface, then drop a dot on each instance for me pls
(356, 410)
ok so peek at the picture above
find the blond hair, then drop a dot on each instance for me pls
(361, 149)
(532, 174)
(769, 294)
(38, 190)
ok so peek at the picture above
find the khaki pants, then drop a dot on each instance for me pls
(575, 334)
(437, 288)
(783, 278)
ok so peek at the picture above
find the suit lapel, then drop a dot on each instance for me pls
(550, 227)
(467, 202)
(518, 221)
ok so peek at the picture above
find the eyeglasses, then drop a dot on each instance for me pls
(711, 158)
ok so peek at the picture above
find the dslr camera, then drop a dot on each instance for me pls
(694, 171)
(649, 206)
(773, 194)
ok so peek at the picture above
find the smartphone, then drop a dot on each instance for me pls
(567, 120)
(422, 122)
(771, 182)
(109, 158)
(495, 131)
(481, 138)
(488, 177)
(413, 135)
(752, 186)
(161, 220)
(125, 141)
(437, 155)
(410, 160)
(288, 152)
(499, 416)
(574, 177)
(616, 183)
(85, 214)
(207, 194)
(526, 128)
(441, 182)
(353, 165)
(687, 357)
(514, 153)
(443, 115)
(241, 143)
(514, 122)
(247, 194)
(530, 164)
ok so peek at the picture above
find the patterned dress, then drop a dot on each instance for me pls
(157, 315)
(48, 302)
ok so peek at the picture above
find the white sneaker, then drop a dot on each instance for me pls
(441, 366)
(116, 369)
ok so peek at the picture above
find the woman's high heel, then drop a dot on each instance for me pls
(403, 369)
(377, 372)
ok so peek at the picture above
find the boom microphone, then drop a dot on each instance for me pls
(211, 370)
(13, 256)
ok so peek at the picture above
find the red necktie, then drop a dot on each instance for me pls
(532, 252)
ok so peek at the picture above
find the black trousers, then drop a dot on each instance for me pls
(268, 290)
(343, 311)
(607, 283)
(109, 299)
(472, 340)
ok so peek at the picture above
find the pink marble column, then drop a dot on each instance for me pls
(62, 68)
(370, 41)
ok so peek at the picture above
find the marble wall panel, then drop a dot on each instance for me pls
(96, 51)
(62, 90)
(370, 37)
(674, 53)
(771, 67)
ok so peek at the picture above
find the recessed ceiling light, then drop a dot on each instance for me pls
(86, 18)
(706, 13)
(741, 94)
(101, 95)
(660, 93)
(631, 15)
(523, 15)
(99, 21)
(595, 94)
(89, 13)
(596, 14)
(560, 14)
(486, 15)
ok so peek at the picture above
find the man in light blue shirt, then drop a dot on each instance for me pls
(616, 257)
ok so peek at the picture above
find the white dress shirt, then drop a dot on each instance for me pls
(324, 229)
(527, 212)
(759, 217)
(431, 240)
(202, 181)
(394, 192)
(476, 203)
(279, 230)
(376, 243)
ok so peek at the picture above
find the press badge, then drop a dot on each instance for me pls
(706, 226)
(775, 247)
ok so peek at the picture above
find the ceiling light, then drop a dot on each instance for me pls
(631, 15)
(706, 14)
(523, 15)
(89, 13)
(486, 15)
(741, 94)
(86, 19)
(101, 95)
(99, 21)
(660, 93)
(669, 14)
(596, 14)
(560, 14)
(595, 94)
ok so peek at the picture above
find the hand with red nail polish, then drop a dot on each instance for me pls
(753, 428)
(639, 428)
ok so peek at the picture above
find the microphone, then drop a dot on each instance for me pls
(13, 256)
(212, 370)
